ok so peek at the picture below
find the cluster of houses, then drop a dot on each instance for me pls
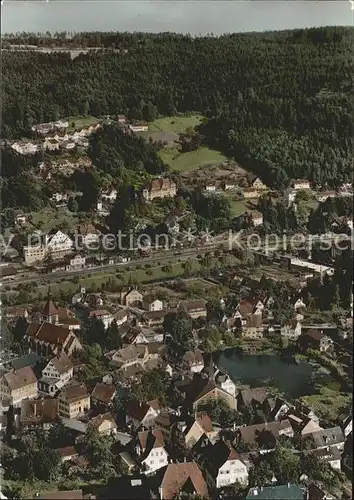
(345, 190)
(57, 245)
(58, 142)
(64, 167)
(63, 141)
(168, 450)
(254, 190)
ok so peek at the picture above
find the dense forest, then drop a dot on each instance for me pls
(281, 102)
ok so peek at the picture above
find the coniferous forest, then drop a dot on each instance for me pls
(280, 102)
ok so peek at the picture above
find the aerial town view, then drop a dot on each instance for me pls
(176, 258)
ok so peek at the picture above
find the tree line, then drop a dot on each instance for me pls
(278, 102)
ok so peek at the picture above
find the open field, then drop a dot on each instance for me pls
(170, 138)
(48, 219)
(329, 403)
(177, 124)
(81, 122)
(238, 206)
(143, 273)
(184, 162)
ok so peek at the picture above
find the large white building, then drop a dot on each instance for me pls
(58, 371)
(56, 246)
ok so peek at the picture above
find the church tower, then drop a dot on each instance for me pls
(50, 311)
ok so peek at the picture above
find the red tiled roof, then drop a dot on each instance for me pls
(258, 394)
(23, 377)
(177, 475)
(247, 305)
(65, 313)
(70, 321)
(315, 334)
(103, 392)
(62, 363)
(137, 410)
(159, 184)
(49, 309)
(74, 393)
(47, 332)
(156, 437)
(155, 404)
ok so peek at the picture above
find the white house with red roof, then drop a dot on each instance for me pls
(140, 414)
(151, 451)
(225, 465)
(105, 316)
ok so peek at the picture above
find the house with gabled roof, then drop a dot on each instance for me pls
(151, 304)
(15, 312)
(139, 413)
(105, 316)
(74, 400)
(317, 493)
(103, 394)
(324, 438)
(224, 465)
(252, 397)
(179, 478)
(264, 436)
(316, 339)
(275, 408)
(104, 423)
(160, 188)
(89, 236)
(131, 297)
(151, 452)
(302, 423)
(17, 385)
(190, 433)
(195, 308)
(330, 455)
(201, 392)
(58, 371)
(193, 361)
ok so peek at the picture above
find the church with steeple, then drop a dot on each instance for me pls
(50, 312)
(51, 333)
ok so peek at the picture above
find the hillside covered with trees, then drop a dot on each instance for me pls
(280, 103)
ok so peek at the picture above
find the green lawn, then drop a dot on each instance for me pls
(81, 122)
(123, 275)
(48, 219)
(239, 206)
(177, 124)
(330, 401)
(184, 162)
